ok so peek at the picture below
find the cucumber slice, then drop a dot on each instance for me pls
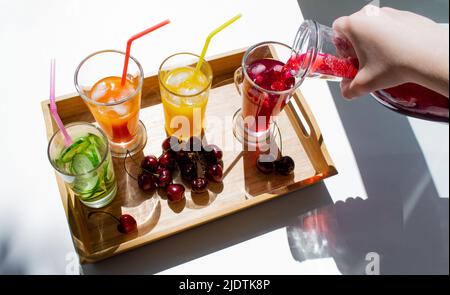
(77, 147)
(109, 171)
(93, 154)
(94, 139)
(81, 164)
(86, 186)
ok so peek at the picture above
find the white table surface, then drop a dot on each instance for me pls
(387, 160)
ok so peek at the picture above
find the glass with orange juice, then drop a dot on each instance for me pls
(184, 94)
(114, 106)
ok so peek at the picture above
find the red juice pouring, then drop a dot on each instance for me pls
(322, 53)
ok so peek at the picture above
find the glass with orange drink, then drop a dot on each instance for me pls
(184, 94)
(114, 106)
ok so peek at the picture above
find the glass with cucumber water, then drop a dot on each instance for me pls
(85, 166)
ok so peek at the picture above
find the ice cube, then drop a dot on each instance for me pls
(278, 68)
(99, 91)
(189, 90)
(120, 109)
(177, 78)
(258, 69)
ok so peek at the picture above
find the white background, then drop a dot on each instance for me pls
(381, 156)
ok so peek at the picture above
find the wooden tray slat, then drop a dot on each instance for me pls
(244, 186)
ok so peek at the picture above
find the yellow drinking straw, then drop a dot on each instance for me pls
(208, 39)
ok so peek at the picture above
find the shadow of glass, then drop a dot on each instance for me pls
(403, 219)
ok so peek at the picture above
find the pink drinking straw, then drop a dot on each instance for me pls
(138, 35)
(53, 110)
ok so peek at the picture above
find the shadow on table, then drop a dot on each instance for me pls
(403, 219)
(214, 236)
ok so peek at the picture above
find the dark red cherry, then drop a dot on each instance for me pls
(277, 86)
(170, 144)
(175, 192)
(147, 181)
(167, 160)
(127, 224)
(189, 171)
(182, 157)
(213, 154)
(164, 178)
(159, 170)
(149, 163)
(285, 165)
(199, 185)
(215, 173)
(266, 163)
(289, 83)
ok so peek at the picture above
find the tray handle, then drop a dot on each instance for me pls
(309, 133)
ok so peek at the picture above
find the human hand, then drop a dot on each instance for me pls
(394, 47)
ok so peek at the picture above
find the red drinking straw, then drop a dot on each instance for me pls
(137, 36)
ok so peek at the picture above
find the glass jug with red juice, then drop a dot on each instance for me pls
(321, 52)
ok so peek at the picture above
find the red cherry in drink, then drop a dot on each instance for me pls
(289, 83)
(215, 173)
(199, 185)
(165, 178)
(175, 192)
(259, 80)
(127, 224)
(277, 86)
(167, 161)
(149, 163)
(147, 181)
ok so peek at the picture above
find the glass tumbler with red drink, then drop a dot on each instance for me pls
(266, 85)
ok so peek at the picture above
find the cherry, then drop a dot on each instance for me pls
(277, 86)
(127, 224)
(189, 171)
(259, 80)
(215, 173)
(159, 170)
(289, 83)
(266, 163)
(170, 144)
(147, 181)
(182, 157)
(149, 163)
(199, 185)
(285, 165)
(167, 161)
(175, 192)
(213, 154)
(164, 178)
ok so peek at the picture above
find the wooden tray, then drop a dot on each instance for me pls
(244, 186)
